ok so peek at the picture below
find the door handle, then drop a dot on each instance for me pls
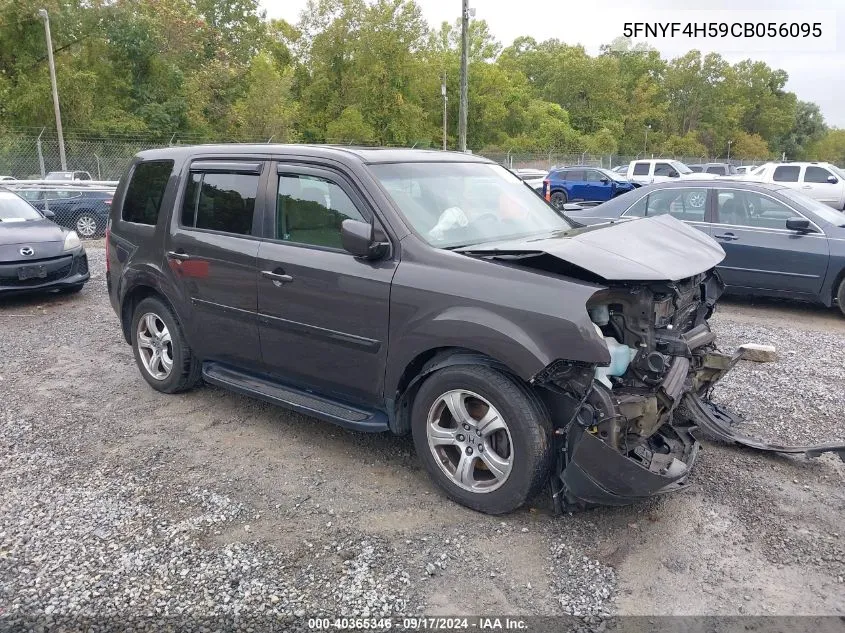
(180, 256)
(727, 237)
(277, 278)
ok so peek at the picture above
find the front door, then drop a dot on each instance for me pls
(212, 251)
(821, 184)
(760, 252)
(323, 313)
(599, 187)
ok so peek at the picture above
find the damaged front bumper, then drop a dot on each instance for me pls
(629, 433)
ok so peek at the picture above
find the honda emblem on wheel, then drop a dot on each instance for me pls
(27, 251)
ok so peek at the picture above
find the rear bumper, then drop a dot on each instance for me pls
(61, 272)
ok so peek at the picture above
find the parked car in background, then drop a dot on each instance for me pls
(620, 169)
(428, 293)
(532, 177)
(82, 208)
(778, 242)
(68, 175)
(645, 172)
(744, 169)
(573, 184)
(35, 253)
(821, 181)
(717, 169)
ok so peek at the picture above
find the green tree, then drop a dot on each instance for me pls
(350, 127)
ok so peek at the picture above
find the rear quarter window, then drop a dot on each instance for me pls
(145, 191)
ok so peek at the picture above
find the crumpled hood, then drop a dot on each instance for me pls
(649, 249)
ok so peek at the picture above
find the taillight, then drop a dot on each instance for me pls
(108, 235)
(547, 190)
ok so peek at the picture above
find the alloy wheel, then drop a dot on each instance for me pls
(155, 346)
(86, 226)
(470, 441)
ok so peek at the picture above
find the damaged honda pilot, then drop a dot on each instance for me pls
(428, 293)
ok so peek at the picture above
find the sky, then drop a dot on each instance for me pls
(816, 66)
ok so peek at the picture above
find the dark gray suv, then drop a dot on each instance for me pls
(428, 293)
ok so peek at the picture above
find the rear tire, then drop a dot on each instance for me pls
(558, 199)
(87, 226)
(840, 296)
(161, 351)
(491, 471)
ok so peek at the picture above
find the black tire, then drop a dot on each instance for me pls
(186, 369)
(840, 296)
(87, 226)
(558, 199)
(528, 424)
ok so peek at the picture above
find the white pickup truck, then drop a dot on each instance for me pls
(646, 172)
(822, 181)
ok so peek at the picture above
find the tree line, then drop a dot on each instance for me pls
(370, 72)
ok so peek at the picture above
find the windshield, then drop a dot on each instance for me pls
(682, 169)
(461, 204)
(613, 175)
(14, 209)
(826, 213)
(839, 172)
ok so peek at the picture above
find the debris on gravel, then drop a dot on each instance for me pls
(585, 587)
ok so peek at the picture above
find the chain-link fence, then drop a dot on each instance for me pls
(28, 155)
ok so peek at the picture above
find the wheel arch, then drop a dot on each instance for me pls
(132, 298)
(838, 280)
(424, 364)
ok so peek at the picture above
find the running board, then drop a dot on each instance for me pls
(264, 388)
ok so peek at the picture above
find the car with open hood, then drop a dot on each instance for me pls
(425, 293)
(35, 253)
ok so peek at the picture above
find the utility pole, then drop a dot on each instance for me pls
(462, 120)
(729, 150)
(645, 143)
(445, 99)
(43, 14)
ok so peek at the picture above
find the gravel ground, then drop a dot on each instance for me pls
(123, 503)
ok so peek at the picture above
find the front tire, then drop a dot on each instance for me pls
(161, 351)
(483, 437)
(558, 199)
(840, 296)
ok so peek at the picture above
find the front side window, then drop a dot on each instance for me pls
(749, 208)
(817, 174)
(665, 169)
(786, 173)
(641, 169)
(146, 191)
(220, 202)
(594, 176)
(464, 204)
(310, 210)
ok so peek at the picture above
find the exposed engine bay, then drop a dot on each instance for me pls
(626, 430)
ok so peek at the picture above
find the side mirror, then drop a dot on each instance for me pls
(832, 180)
(362, 240)
(605, 180)
(802, 225)
(674, 174)
(48, 214)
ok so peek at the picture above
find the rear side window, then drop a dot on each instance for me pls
(575, 175)
(641, 169)
(786, 173)
(220, 202)
(146, 191)
(717, 169)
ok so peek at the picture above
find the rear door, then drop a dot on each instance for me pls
(323, 313)
(576, 185)
(787, 176)
(761, 253)
(822, 184)
(640, 171)
(212, 251)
